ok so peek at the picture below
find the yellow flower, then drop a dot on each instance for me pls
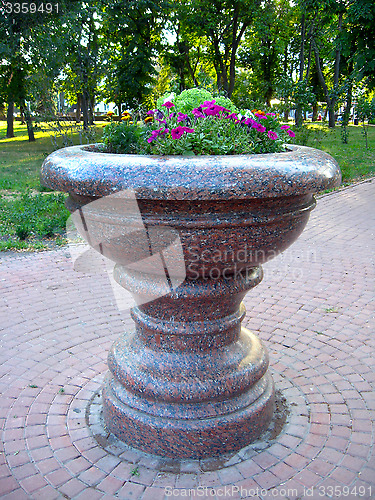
(126, 117)
(149, 119)
(110, 113)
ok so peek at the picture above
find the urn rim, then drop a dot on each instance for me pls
(298, 171)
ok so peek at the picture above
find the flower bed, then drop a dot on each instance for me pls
(191, 127)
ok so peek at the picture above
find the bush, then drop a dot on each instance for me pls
(121, 137)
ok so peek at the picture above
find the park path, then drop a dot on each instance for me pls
(314, 310)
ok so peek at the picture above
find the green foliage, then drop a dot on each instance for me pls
(206, 128)
(189, 99)
(294, 94)
(24, 211)
(38, 214)
(354, 160)
(121, 137)
(133, 30)
(366, 112)
(262, 52)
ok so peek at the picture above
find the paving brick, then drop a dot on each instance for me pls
(56, 336)
(92, 476)
(131, 490)
(110, 485)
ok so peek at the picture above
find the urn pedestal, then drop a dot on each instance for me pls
(188, 236)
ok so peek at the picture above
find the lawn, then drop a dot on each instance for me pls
(33, 218)
(355, 160)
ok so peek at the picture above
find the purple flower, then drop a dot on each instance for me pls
(207, 103)
(232, 116)
(178, 132)
(291, 133)
(284, 127)
(181, 117)
(272, 135)
(168, 104)
(197, 113)
(213, 110)
(260, 117)
(159, 115)
(259, 127)
(151, 112)
(155, 134)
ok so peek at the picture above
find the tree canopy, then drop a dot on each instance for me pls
(130, 51)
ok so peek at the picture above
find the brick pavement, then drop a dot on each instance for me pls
(314, 310)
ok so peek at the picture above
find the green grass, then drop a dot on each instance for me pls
(32, 218)
(355, 160)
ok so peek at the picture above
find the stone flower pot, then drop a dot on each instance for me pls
(189, 235)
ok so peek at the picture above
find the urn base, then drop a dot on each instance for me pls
(193, 429)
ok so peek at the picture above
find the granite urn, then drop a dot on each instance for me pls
(188, 236)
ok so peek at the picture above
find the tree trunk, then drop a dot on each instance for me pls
(78, 108)
(191, 70)
(22, 117)
(10, 120)
(85, 110)
(315, 112)
(331, 114)
(348, 105)
(298, 116)
(29, 122)
(91, 110)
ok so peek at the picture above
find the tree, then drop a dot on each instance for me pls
(326, 27)
(133, 30)
(19, 23)
(358, 39)
(265, 47)
(223, 23)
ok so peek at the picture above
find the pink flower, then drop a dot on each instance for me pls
(270, 114)
(155, 134)
(260, 128)
(284, 127)
(291, 133)
(213, 110)
(168, 104)
(272, 135)
(232, 116)
(181, 117)
(178, 132)
(208, 103)
(197, 113)
(260, 117)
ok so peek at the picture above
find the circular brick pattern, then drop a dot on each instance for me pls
(313, 310)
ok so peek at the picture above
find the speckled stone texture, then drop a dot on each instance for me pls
(189, 381)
